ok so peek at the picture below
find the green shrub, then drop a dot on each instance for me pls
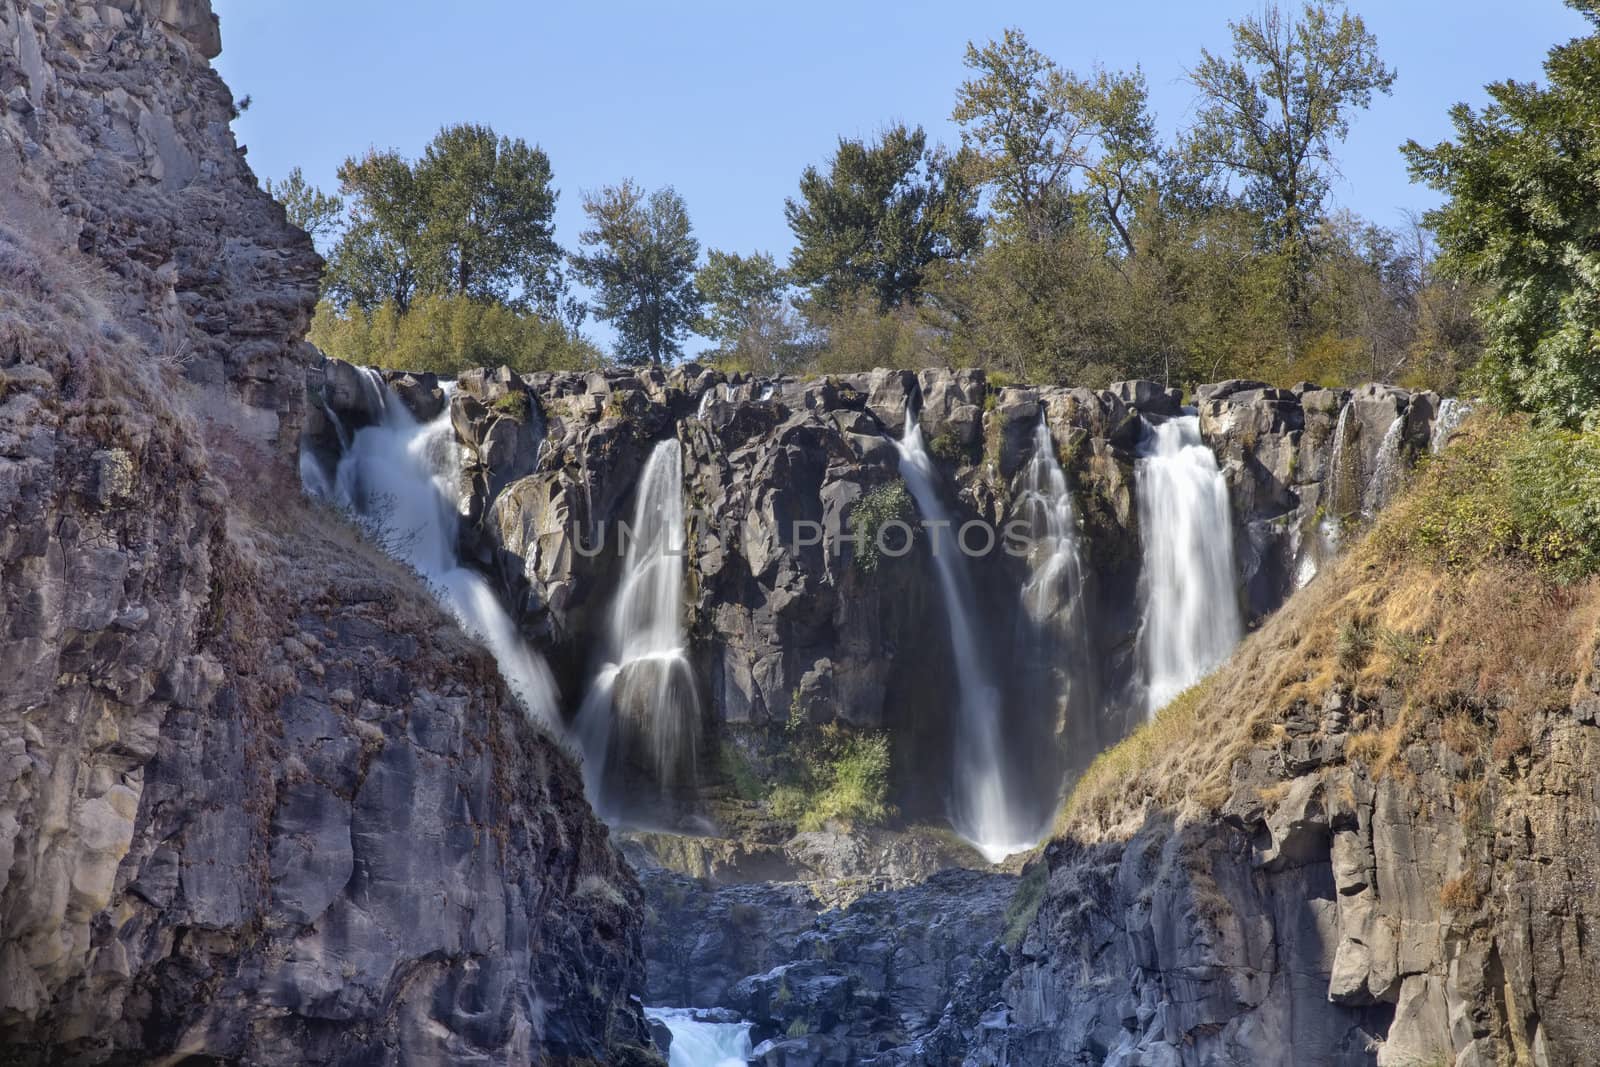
(449, 334)
(1553, 486)
(787, 802)
(513, 403)
(833, 777)
(1354, 643)
(1503, 488)
(876, 508)
(856, 788)
(946, 447)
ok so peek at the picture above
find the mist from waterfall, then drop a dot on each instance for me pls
(981, 810)
(1191, 618)
(400, 480)
(646, 685)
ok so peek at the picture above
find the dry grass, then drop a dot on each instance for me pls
(1461, 894)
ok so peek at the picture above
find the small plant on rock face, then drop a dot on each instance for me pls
(1355, 642)
(1460, 894)
(947, 447)
(876, 508)
(513, 404)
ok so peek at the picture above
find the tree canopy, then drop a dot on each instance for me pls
(641, 264)
(1272, 111)
(878, 217)
(1521, 219)
(474, 216)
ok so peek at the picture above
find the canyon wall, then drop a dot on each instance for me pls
(260, 800)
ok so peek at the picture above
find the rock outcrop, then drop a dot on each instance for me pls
(897, 977)
(260, 801)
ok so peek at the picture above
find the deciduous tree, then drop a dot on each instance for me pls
(641, 264)
(879, 215)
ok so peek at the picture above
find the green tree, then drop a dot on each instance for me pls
(747, 313)
(308, 207)
(1032, 126)
(1018, 120)
(490, 228)
(378, 258)
(473, 216)
(1520, 176)
(880, 215)
(1127, 153)
(642, 267)
(1272, 112)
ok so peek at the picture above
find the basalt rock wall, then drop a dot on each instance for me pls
(789, 617)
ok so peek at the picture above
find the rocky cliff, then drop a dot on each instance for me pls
(260, 801)
(789, 620)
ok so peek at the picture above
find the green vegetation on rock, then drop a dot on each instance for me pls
(1505, 488)
(877, 507)
(447, 334)
(833, 778)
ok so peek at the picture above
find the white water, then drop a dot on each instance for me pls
(647, 677)
(1387, 470)
(703, 1044)
(1056, 559)
(1452, 413)
(981, 811)
(1191, 609)
(399, 479)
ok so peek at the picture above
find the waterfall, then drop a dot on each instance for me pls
(1386, 470)
(981, 810)
(1452, 413)
(703, 1044)
(1191, 609)
(399, 479)
(646, 682)
(1046, 505)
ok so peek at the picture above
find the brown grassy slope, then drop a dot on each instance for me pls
(1435, 620)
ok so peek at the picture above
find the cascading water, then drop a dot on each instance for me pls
(399, 479)
(696, 1043)
(1056, 577)
(646, 684)
(982, 810)
(1191, 608)
(1452, 413)
(1387, 470)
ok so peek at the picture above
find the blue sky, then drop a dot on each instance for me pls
(728, 102)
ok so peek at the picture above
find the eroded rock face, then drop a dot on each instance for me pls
(259, 800)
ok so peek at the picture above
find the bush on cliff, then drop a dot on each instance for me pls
(449, 334)
(833, 778)
(1504, 489)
